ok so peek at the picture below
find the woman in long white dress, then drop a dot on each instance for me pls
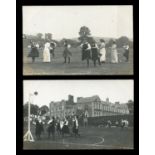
(114, 54)
(46, 53)
(102, 51)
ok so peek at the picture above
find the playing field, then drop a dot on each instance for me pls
(90, 138)
(76, 67)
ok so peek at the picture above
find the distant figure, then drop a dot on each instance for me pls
(67, 54)
(52, 49)
(46, 52)
(86, 49)
(75, 128)
(102, 51)
(85, 121)
(126, 53)
(114, 55)
(33, 51)
(95, 53)
(109, 123)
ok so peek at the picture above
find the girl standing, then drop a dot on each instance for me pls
(114, 54)
(86, 48)
(33, 52)
(102, 51)
(46, 53)
(67, 54)
(95, 54)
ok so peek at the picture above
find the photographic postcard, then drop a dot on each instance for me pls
(78, 40)
(78, 114)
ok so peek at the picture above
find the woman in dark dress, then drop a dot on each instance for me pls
(67, 54)
(95, 53)
(75, 128)
(65, 129)
(33, 52)
(86, 51)
(51, 128)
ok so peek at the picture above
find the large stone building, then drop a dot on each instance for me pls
(89, 106)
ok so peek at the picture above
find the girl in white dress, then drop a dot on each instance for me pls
(46, 53)
(114, 55)
(102, 51)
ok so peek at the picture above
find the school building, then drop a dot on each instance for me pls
(89, 106)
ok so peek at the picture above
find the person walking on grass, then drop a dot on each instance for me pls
(66, 53)
(34, 53)
(102, 51)
(86, 51)
(95, 53)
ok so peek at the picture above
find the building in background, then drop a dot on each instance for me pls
(87, 106)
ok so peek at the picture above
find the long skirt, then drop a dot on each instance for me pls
(65, 129)
(67, 53)
(86, 54)
(95, 54)
(33, 53)
(114, 56)
(103, 54)
(46, 55)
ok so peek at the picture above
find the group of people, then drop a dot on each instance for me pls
(58, 126)
(90, 51)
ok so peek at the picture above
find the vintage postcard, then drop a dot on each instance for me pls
(78, 114)
(78, 40)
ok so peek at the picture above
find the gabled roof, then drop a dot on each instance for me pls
(88, 99)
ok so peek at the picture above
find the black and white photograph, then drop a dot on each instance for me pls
(78, 114)
(78, 40)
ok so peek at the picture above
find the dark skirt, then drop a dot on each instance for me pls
(67, 53)
(95, 54)
(33, 53)
(65, 129)
(86, 54)
(75, 130)
(126, 53)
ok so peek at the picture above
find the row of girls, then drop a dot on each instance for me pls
(58, 126)
(91, 51)
(98, 52)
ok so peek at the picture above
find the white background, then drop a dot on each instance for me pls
(8, 77)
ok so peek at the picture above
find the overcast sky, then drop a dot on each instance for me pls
(65, 21)
(56, 90)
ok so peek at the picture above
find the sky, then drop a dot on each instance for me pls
(56, 90)
(65, 21)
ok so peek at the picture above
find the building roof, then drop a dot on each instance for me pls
(88, 99)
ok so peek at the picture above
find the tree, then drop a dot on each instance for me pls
(39, 35)
(34, 109)
(43, 109)
(84, 33)
(123, 41)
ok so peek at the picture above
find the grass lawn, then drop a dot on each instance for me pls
(77, 67)
(90, 138)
